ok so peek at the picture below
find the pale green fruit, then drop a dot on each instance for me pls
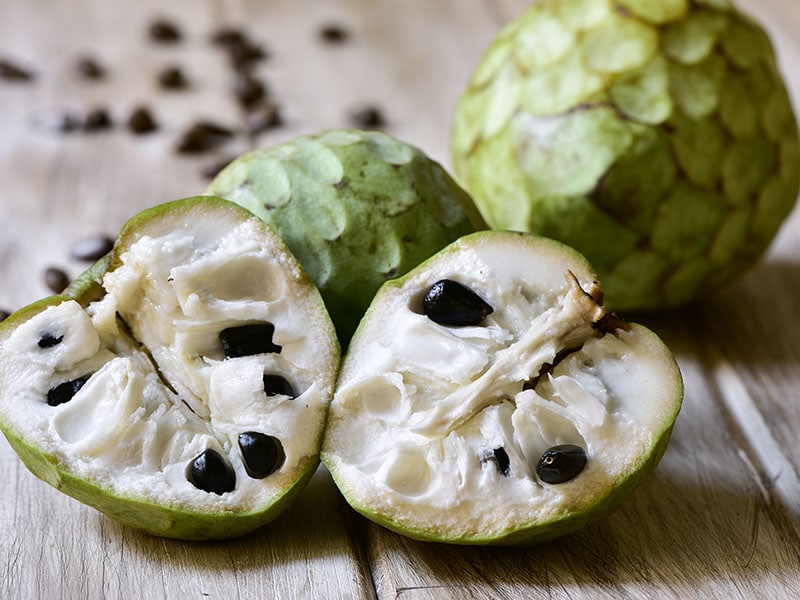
(355, 207)
(657, 138)
(436, 430)
(111, 391)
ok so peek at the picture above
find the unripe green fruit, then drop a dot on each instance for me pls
(657, 138)
(355, 207)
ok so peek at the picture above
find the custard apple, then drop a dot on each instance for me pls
(180, 385)
(654, 136)
(487, 397)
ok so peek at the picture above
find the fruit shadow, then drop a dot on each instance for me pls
(314, 526)
(709, 535)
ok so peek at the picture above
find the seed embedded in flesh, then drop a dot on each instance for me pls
(448, 302)
(48, 340)
(499, 457)
(65, 391)
(209, 472)
(246, 340)
(561, 463)
(276, 385)
(263, 454)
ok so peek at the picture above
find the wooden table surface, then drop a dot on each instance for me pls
(720, 517)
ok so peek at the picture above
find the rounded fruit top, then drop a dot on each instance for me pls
(656, 137)
(355, 207)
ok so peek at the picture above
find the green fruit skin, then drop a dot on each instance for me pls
(657, 138)
(160, 520)
(355, 207)
(569, 522)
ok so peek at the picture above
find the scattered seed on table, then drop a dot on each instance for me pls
(228, 36)
(333, 33)
(92, 248)
(56, 279)
(368, 117)
(248, 90)
(13, 72)
(202, 137)
(97, 119)
(211, 169)
(141, 121)
(173, 78)
(90, 68)
(4, 314)
(164, 31)
(264, 116)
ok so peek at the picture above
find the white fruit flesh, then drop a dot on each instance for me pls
(161, 390)
(420, 407)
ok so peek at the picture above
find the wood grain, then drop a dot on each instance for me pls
(720, 518)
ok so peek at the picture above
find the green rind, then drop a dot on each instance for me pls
(160, 520)
(355, 207)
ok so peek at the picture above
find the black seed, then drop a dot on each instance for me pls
(56, 279)
(141, 121)
(248, 90)
(48, 341)
(89, 68)
(246, 340)
(164, 31)
(228, 37)
(92, 248)
(499, 457)
(173, 78)
(211, 473)
(244, 53)
(96, 120)
(65, 391)
(4, 314)
(451, 303)
(263, 454)
(13, 72)
(263, 116)
(276, 385)
(202, 137)
(369, 117)
(561, 463)
(333, 33)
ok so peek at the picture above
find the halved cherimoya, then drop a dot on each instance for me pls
(488, 397)
(180, 385)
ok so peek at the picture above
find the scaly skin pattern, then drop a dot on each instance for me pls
(655, 137)
(355, 207)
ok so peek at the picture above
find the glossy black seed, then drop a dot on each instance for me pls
(276, 385)
(96, 120)
(499, 457)
(164, 31)
(248, 90)
(48, 341)
(141, 121)
(561, 463)
(202, 137)
(246, 340)
(4, 314)
(211, 473)
(173, 78)
(14, 72)
(451, 303)
(92, 248)
(89, 68)
(56, 279)
(263, 454)
(333, 33)
(228, 36)
(368, 117)
(244, 54)
(65, 391)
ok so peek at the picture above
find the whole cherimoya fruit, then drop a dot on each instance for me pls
(654, 136)
(488, 397)
(355, 207)
(181, 385)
